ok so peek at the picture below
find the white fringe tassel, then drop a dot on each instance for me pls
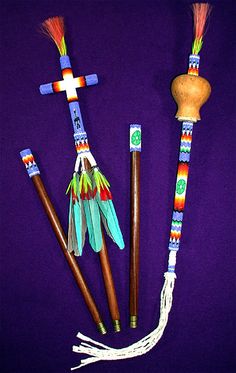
(103, 352)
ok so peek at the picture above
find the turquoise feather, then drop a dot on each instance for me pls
(77, 227)
(93, 221)
(110, 221)
(72, 240)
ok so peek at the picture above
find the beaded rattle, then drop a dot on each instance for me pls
(190, 91)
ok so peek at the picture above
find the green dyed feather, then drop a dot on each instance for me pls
(100, 180)
(85, 182)
(197, 46)
(63, 48)
(73, 184)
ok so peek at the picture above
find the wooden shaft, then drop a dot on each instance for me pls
(58, 230)
(135, 236)
(109, 283)
(107, 277)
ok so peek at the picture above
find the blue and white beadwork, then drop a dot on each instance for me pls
(193, 67)
(29, 162)
(135, 138)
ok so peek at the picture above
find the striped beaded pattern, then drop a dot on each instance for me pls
(81, 143)
(193, 67)
(29, 162)
(180, 190)
(69, 80)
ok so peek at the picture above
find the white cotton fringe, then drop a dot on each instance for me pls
(99, 351)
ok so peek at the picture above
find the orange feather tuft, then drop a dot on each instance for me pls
(54, 28)
(201, 11)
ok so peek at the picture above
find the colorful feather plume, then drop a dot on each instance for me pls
(201, 12)
(55, 29)
(85, 186)
(90, 204)
(102, 185)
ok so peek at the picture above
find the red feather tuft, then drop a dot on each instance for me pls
(74, 196)
(86, 195)
(105, 194)
(55, 29)
(201, 11)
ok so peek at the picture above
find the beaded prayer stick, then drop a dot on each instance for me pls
(135, 150)
(190, 92)
(90, 198)
(34, 174)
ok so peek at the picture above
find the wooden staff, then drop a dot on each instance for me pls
(135, 149)
(34, 174)
(107, 277)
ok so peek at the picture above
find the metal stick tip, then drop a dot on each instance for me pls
(133, 322)
(101, 327)
(116, 324)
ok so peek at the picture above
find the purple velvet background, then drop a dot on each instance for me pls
(136, 48)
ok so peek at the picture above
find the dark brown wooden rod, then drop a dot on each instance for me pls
(108, 278)
(135, 236)
(61, 237)
(109, 285)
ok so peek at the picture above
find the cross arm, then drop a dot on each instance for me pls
(59, 86)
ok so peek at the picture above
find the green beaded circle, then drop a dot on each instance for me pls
(181, 186)
(136, 138)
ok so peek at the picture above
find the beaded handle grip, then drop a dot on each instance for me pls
(135, 138)
(29, 162)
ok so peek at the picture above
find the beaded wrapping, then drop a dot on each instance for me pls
(180, 189)
(29, 162)
(135, 135)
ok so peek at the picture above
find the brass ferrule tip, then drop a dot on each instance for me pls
(102, 328)
(133, 322)
(116, 324)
